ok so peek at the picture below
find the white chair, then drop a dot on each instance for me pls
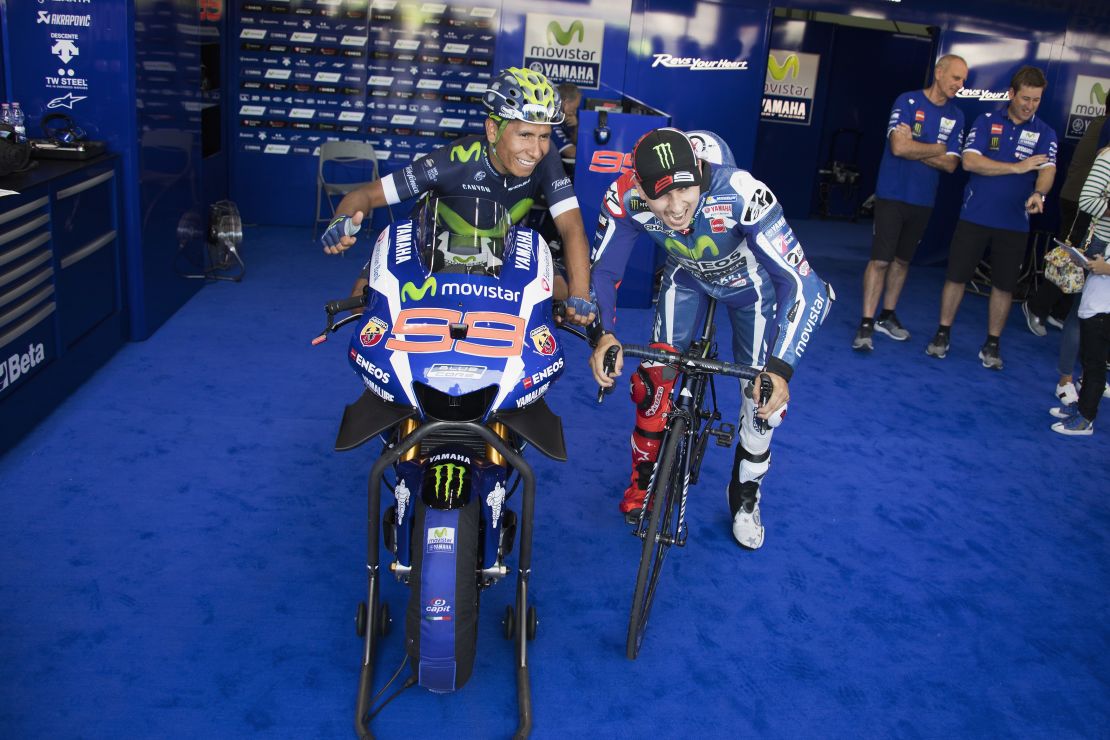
(339, 162)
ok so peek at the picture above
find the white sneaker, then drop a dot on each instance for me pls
(747, 527)
(1067, 394)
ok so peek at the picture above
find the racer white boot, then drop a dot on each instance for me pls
(753, 458)
(747, 527)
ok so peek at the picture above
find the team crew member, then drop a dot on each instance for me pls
(511, 164)
(725, 237)
(564, 137)
(1011, 155)
(924, 136)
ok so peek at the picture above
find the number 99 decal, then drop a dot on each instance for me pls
(433, 327)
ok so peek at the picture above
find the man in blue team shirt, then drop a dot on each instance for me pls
(1011, 155)
(924, 137)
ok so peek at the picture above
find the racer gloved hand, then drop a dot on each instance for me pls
(341, 232)
(582, 308)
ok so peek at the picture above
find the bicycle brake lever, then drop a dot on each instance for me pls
(609, 365)
(766, 388)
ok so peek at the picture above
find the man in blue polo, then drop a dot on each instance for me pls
(1011, 155)
(924, 135)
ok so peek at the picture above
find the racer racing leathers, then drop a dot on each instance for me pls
(740, 250)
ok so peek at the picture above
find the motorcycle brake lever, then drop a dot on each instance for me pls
(608, 365)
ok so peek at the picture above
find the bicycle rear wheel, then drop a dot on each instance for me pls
(666, 492)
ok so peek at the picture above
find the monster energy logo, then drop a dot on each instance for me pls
(465, 155)
(702, 245)
(666, 156)
(417, 294)
(448, 475)
(555, 32)
(778, 72)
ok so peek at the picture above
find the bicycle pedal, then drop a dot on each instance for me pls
(724, 434)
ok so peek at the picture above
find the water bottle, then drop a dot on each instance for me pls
(18, 122)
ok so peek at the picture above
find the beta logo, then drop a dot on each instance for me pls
(19, 365)
(543, 340)
(373, 332)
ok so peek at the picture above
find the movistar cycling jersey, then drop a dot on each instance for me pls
(739, 238)
(464, 168)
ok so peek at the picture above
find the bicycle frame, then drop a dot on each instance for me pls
(689, 395)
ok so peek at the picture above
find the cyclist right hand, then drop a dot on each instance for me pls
(597, 360)
(340, 234)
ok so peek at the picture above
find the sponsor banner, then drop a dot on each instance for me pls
(1088, 101)
(789, 86)
(566, 48)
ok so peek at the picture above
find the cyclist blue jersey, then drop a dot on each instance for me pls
(739, 238)
(464, 168)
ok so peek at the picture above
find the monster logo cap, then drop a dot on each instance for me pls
(664, 160)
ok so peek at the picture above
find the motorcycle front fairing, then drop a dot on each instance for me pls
(458, 333)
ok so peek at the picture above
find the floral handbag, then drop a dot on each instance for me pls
(1062, 271)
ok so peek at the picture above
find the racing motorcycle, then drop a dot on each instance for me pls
(456, 348)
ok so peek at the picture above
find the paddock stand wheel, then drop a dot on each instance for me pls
(360, 619)
(384, 621)
(532, 623)
(509, 623)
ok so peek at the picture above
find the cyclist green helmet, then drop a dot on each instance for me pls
(523, 95)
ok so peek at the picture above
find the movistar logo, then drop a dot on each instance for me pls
(702, 245)
(555, 32)
(448, 476)
(1098, 94)
(467, 154)
(417, 294)
(778, 72)
(666, 156)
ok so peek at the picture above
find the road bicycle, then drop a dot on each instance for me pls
(691, 422)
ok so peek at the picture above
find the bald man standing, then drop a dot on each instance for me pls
(924, 136)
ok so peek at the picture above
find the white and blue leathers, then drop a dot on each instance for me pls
(738, 249)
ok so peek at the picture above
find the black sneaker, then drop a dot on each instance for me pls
(990, 356)
(893, 328)
(863, 342)
(938, 347)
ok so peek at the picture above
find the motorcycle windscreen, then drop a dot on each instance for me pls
(441, 623)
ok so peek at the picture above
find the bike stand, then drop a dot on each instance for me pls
(389, 456)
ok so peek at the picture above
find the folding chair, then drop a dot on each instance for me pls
(339, 162)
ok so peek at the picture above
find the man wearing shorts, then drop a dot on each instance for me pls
(1011, 155)
(924, 135)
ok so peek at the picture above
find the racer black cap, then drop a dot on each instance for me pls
(664, 159)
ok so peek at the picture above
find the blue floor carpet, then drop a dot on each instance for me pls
(183, 551)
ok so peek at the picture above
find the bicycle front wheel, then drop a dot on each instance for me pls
(663, 500)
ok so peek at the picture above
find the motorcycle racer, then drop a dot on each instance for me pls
(726, 237)
(511, 163)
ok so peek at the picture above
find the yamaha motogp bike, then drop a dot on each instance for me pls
(456, 347)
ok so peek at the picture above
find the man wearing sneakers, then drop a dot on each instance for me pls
(726, 237)
(923, 139)
(1011, 155)
(1094, 305)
